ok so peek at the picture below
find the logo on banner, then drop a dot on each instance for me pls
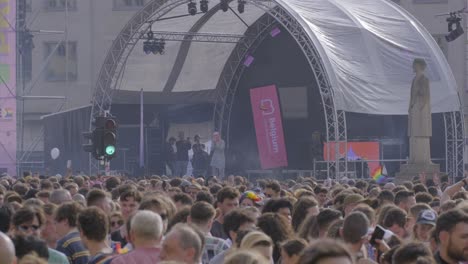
(6, 113)
(267, 107)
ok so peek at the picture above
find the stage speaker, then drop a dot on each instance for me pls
(154, 151)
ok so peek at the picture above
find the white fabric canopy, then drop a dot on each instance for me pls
(367, 47)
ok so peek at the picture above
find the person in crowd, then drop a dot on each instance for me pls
(218, 159)
(260, 242)
(183, 244)
(116, 221)
(405, 200)
(246, 257)
(30, 245)
(93, 224)
(30, 221)
(278, 228)
(291, 249)
(281, 206)
(326, 252)
(235, 222)
(451, 233)
(201, 217)
(183, 146)
(396, 221)
(272, 190)
(321, 195)
(60, 196)
(146, 232)
(351, 201)
(227, 199)
(413, 253)
(386, 197)
(129, 202)
(182, 200)
(70, 242)
(100, 199)
(425, 223)
(304, 207)
(170, 155)
(250, 199)
(157, 205)
(7, 250)
(354, 233)
(414, 212)
(49, 232)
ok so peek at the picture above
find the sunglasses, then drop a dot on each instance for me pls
(25, 228)
(119, 223)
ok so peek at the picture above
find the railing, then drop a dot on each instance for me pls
(358, 169)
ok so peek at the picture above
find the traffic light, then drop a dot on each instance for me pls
(103, 138)
(109, 138)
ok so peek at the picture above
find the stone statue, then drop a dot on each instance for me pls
(419, 116)
(419, 128)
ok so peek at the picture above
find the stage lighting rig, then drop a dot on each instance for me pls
(453, 34)
(192, 8)
(241, 6)
(225, 5)
(204, 6)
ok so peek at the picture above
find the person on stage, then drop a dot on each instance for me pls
(182, 157)
(218, 159)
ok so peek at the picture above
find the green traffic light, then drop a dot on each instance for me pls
(110, 150)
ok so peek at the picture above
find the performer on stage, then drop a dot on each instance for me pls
(218, 159)
(419, 116)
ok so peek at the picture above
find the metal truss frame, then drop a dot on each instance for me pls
(454, 143)
(138, 26)
(196, 37)
(227, 86)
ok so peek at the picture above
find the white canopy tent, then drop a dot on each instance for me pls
(367, 48)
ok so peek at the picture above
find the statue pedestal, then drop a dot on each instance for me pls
(409, 171)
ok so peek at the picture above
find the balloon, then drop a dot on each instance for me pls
(54, 153)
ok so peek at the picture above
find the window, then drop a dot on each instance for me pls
(128, 4)
(59, 5)
(56, 70)
(443, 44)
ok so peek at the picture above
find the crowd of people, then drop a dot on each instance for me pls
(159, 219)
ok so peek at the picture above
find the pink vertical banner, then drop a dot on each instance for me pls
(7, 87)
(268, 127)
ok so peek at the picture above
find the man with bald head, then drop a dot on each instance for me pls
(7, 250)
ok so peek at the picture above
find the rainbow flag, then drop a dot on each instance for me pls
(380, 174)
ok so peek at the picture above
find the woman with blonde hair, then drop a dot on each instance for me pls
(259, 242)
(246, 257)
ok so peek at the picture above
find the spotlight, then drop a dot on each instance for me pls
(454, 34)
(241, 6)
(225, 5)
(158, 46)
(147, 47)
(192, 8)
(204, 6)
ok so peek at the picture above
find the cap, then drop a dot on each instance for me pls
(389, 186)
(353, 199)
(428, 217)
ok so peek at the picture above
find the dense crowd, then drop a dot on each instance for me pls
(101, 219)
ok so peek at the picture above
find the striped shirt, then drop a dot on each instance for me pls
(213, 246)
(73, 248)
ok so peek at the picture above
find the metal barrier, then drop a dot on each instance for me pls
(356, 169)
